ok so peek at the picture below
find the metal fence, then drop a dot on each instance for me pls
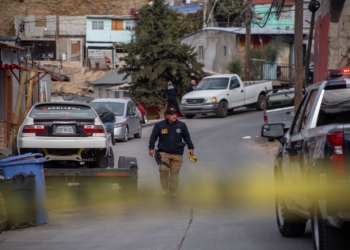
(272, 71)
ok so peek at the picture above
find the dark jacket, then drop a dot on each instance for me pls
(191, 88)
(170, 91)
(170, 137)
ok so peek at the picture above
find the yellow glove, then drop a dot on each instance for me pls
(192, 158)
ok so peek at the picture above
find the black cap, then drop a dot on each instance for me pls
(170, 111)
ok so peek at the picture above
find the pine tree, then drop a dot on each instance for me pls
(156, 56)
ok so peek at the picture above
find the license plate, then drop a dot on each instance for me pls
(64, 129)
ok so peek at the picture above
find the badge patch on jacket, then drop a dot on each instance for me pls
(178, 130)
(164, 131)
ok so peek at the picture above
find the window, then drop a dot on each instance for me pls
(117, 24)
(234, 83)
(97, 25)
(226, 50)
(200, 53)
(130, 25)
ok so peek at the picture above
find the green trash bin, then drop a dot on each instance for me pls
(19, 196)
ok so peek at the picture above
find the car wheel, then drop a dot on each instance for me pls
(260, 105)
(189, 116)
(111, 158)
(289, 224)
(14, 146)
(112, 138)
(101, 162)
(139, 132)
(126, 134)
(222, 110)
(325, 237)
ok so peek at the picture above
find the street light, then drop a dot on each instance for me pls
(314, 5)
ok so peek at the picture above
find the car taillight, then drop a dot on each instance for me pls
(337, 159)
(33, 129)
(93, 129)
(266, 121)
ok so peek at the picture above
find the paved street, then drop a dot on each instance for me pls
(225, 199)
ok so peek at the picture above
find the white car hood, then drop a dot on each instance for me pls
(204, 93)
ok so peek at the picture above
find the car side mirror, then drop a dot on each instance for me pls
(234, 86)
(131, 113)
(273, 131)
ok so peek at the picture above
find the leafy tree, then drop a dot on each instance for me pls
(236, 65)
(228, 12)
(156, 56)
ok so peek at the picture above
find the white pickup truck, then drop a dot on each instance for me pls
(222, 93)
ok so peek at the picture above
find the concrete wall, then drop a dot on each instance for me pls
(41, 9)
(35, 27)
(107, 34)
(213, 43)
(72, 25)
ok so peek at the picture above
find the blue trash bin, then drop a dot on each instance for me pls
(30, 164)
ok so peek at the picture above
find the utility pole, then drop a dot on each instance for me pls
(314, 5)
(298, 53)
(204, 14)
(247, 40)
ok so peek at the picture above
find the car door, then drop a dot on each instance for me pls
(236, 93)
(291, 159)
(133, 117)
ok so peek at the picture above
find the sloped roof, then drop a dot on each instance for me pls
(189, 8)
(255, 31)
(113, 78)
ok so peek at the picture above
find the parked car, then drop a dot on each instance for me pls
(219, 94)
(127, 117)
(64, 132)
(312, 166)
(141, 108)
(280, 107)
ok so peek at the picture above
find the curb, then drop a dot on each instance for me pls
(3, 225)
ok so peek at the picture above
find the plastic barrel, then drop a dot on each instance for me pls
(30, 164)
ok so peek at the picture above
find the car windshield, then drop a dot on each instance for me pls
(335, 107)
(116, 107)
(213, 83)
(60, 111)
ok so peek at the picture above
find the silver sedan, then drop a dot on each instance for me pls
(127, 117)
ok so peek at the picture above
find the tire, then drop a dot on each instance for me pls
(289, 224)
(126, 135)
(261, 103)
(111, 158)
(112, 138)
(139, 134)
(222, 110)
(189, 116)
(325, 237)
(102, 161)
(14, 146)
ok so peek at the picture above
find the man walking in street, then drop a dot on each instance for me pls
(170, 93)
(171, 134)
(192, 86)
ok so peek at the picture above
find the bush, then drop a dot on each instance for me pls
(235, 66)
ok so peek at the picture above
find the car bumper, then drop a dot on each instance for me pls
(57, 142)
(199, 109)
(119, 132)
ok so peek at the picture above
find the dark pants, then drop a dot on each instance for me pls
(172, 100)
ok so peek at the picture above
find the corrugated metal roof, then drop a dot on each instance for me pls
(286, 2)
(111, 16)
(112, 78)
(255, 31)
(190, 8)
(10, 46)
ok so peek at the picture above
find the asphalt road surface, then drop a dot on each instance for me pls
(225, 200)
